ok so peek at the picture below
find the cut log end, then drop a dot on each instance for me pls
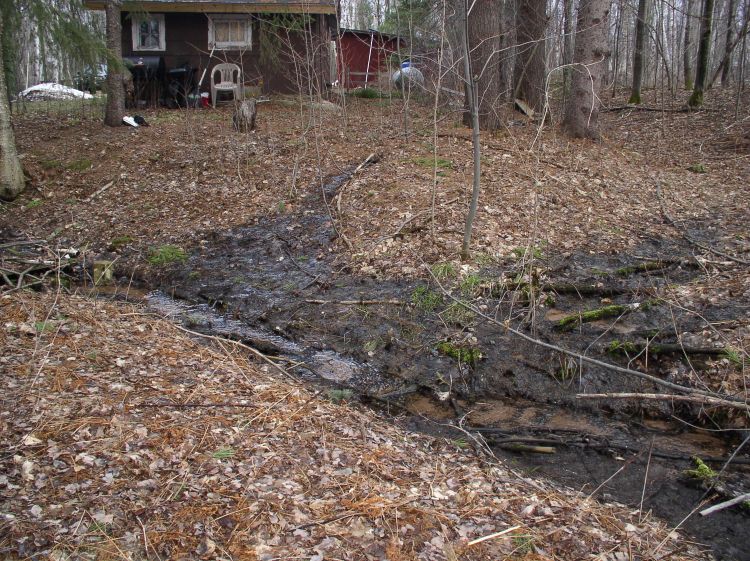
(244, 116)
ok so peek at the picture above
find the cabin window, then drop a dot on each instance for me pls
(148, 33)
(229, 32)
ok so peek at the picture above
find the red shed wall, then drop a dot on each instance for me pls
(355, 50)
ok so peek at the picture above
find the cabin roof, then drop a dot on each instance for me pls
(224, 6)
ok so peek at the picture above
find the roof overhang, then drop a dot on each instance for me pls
(219, 7)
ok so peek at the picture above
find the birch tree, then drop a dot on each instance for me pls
(11, 174)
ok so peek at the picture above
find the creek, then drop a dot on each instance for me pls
(402, 347)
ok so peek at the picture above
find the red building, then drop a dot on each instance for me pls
(364, 55)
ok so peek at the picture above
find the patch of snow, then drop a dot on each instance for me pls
(52, 91)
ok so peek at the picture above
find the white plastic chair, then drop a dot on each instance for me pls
(227, 81)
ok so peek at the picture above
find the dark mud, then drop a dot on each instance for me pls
(278, 286)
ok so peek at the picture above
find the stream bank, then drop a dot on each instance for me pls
(280, 288)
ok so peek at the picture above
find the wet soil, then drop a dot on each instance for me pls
(278, 286)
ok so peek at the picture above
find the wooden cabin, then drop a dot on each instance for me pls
(282, 46)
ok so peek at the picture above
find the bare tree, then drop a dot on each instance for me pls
(484, 44)
(728, 47)
(568, 42)
(115, 90)
(590, 64)
(531, 53)
(686, 66)
(704, 51)
(11, 174)
(640, 39)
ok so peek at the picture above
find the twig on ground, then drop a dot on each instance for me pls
(725, 504)
(256, 352)
(392, 302)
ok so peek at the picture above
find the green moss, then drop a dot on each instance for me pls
(463, 354)
(120, 241)
(431, 162)
(50, 164)
(443, 270)
(696, 100)
(534, 251)
(734, 356)
(79, 165)
(456, 314)
(425, 299)
(166, 255)
(338, 396)
(470, 283)
(572, 321)
(701, 471)
(33, 203)
(622, 347)
(697, 168)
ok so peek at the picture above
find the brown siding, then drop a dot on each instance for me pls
(187, 42)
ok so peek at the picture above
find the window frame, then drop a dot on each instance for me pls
(136, 32)
(247, 44)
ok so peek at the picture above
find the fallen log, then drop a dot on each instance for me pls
(699, 399)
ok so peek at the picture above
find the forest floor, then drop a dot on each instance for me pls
(221, 469)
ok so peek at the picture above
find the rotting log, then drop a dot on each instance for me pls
(633, 347)
(558, 288)
(613, 310)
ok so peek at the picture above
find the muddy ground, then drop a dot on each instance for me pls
(346, 276)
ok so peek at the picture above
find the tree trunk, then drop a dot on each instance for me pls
(686, 68)
(590, 60)
(484, 42)
(531, 69)
(569, 43)
(115, 90)
(704, 48)
(728, 47)
(640, 39)
(472, 97)
(11, 174)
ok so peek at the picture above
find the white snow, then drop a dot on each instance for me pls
(51, 90)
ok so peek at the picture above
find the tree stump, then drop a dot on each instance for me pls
(244, 116)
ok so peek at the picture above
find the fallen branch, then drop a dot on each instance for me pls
(98, 192)
(22, 242)
(493, 536)
(628, 347)
(409, 220)
(371, 159)
(578, 356)
(690, 239)
(358, 302)
(256, 352)
(646, 108)
(668, 397)
(725, 504)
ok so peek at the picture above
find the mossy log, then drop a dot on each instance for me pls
(498, 290)
(648, 266)
(613, 310)
(634, 348)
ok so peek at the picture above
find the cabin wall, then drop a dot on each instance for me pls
(278, 61)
